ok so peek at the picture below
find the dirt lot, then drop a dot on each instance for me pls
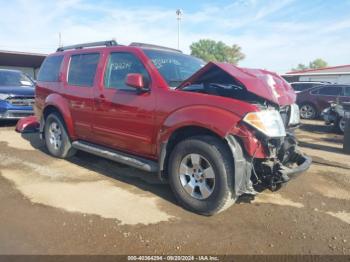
(89, 205)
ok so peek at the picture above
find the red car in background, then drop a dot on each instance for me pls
(313, 101)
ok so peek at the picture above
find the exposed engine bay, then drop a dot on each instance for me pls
(219, 83)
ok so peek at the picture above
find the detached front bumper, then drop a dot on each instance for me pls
(302, 163)
(252, 174)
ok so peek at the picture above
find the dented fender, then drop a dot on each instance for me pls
(221, 121)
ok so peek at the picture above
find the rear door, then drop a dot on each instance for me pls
(326, 94)
(80, 79)
(124, 116)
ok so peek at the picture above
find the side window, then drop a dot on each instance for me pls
(50, 69)
(347, 91)
(82, 69)
(121, 64)
(330, 90)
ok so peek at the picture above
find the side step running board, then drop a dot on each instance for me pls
(134, 161)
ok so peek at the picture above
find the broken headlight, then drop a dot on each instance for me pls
(268, 122)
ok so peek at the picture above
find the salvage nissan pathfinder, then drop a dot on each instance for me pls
(214, 131)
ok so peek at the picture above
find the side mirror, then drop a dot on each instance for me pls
(135, 80)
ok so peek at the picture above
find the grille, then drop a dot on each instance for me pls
(21, 101)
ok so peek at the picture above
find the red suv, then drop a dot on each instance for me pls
(212, 131)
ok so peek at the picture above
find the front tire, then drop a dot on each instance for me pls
(201, 175)
(308, 111)
(56, 137)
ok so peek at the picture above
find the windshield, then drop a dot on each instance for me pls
(13, 78)
(174, 67)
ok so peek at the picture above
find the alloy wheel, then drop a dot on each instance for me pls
(307, 112)
(197, 176)
(55, 135)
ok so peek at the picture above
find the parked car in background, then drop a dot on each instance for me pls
(335, 115)
(16, 94)
(205, 129)
(302, 86)
(313, 101)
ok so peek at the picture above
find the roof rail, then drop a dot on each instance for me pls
(80, 46)
(154, 47)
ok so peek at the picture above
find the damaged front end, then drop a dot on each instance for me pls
(285, 162)
(280, 158)
(271, 154)
(263, 144)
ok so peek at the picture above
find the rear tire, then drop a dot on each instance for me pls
(201, 175)
(56, 137)
(340, 125)
(308, 111)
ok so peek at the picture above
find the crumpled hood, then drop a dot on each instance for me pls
(262, 83)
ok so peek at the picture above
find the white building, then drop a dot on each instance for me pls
(334, 74)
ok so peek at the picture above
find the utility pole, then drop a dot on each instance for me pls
(179, 14)
(60, 40)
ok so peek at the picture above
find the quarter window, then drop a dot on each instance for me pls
(121, 64)
(347, 91)
(50, 69)
(82, 69)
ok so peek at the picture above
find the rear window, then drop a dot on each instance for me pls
(82, 69)
(50, 69)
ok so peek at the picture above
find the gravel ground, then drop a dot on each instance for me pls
(89, 205)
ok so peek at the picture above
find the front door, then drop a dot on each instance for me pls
(124, 116)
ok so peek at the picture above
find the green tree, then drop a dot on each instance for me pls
(317, 63)
(210, 50)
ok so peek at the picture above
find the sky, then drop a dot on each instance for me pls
(273, 34)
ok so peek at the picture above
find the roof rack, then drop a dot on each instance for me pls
(80, 46)
(155, 47)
